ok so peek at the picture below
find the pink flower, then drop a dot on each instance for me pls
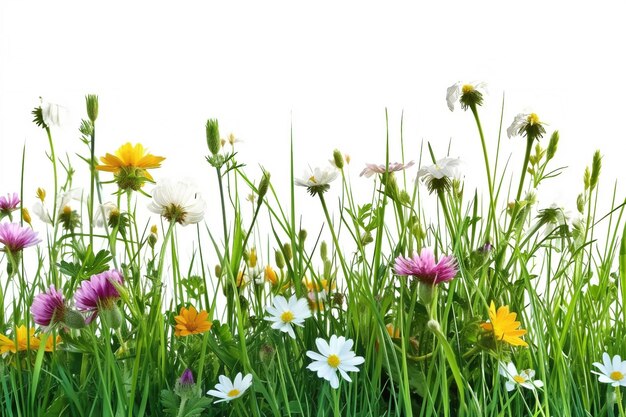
(15, 237)
(49, 308)
(425, 268)
(98, 294)
(371, 169)
(9, 203)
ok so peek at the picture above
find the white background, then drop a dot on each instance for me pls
(327, 69)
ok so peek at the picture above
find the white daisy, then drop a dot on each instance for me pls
(285, 313)
(103, 213)
(318, 180)
(334, 355)
(179, 201)
(446, 167)
(523, 378)
(228, 390)
(64, 204)
(461, 90)
(53, 114)
(611, 371)
(526, 124)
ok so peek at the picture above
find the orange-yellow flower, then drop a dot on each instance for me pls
(503, 325)
(130, 164)
(25, 339)
(270, 275)
(189, 321)
(393, 332)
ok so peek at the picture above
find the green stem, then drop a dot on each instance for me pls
(344, 266)
(93, 181)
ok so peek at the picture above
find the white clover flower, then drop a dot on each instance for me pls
(103, 213)
(526, 124)
(371, 169)
(523, 378)
(228, 390)
(334, 355)
(179, 201)
(285, 313)
(612, 371)
(318, 180)
(53, 114)
(466, 92)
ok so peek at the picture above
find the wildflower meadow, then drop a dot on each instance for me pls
(422, 297)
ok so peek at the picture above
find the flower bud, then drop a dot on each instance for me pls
(270, 275)
(279, 259)
(302, 235)
(596, 166)
(264, 185)
(338, 159)
(213, 136)
(92, 107)
(218, 270)
(73, 319)
(434, 326)
(41, 194)
(112, 317)
(324, 250)
(287, 252)
(580, 203)
(26, 215)
(552, 145)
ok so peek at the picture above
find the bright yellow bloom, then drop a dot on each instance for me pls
(503, 325)
(189, 321)
(270, 275)
(25, 339)
(130, 164)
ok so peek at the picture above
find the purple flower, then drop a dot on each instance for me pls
(49, 308)
(186, 379)
(15, 237)
(9, 203)
(98, 294)
(371, 169)
(425, 268)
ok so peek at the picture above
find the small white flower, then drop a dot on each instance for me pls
(318, 180)
(53, 114)
(455, 91)
(371, 169)
(523, 378)
(285, 313)
(525, 124)
(178, 200)
(104, 212)
(228, 390)
(611, 371)
(446, 167)
(335, 355)
(64, 201)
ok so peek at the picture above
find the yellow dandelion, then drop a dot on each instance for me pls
(503, 325)
(22, 339)
(189, 321)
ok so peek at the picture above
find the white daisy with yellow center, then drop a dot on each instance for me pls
(612, 371)
(286, 313)
(227, 390)
(334, 356)
(178, 201)
(317, 180)
(523, 378)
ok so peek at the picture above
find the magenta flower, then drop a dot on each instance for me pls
(371, 169)
(186, 379)
(98, 294)
(9, 203)
(15, 237)
(425, 268)
(49, 308)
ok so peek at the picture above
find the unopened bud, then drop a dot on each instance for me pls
(287, 252)
(338, 159)
(213, 136)
(324, 250)
(92, 107)
(73, 319)
(112, 317)
(580, 203)
(264, 185)
(26, 215)
(434, 326)
(552, 145)
(302, 235)
(218, 270)
(41, 194)
(279, 259)
(596, 166)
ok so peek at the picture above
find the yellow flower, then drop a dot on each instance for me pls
(23, 340)
(270, 275)
(252, 258)
(393, 332)
(503, 325)
(50, 342)
(130, 164)
(189, 321)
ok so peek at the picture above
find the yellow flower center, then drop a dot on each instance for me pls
(287, 317)
(519, 379)
(333, 360)
(67, 210)
(233, 393)
(467, 88)
(616, 376)
(312, 179)
(533, 119)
